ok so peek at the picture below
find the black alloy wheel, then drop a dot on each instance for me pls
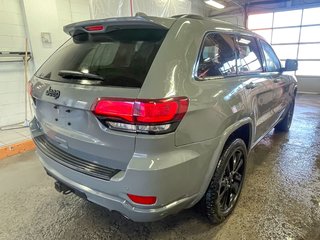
(224, 189)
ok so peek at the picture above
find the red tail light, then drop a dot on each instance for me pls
(115, 109)
(158, 115)
(29, 88)
(146, 200)
(160, 111)
(94, 28)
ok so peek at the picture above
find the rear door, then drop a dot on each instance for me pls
(90, 66)
(258, 86)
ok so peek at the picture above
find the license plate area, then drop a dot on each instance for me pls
(59, 115)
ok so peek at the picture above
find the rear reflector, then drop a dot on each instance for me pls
(141, 115)
(29, 88)
(146, 200)
(94, 28)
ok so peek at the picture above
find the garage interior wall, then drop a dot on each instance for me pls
(49, 16)
(29, 18)
(161, 8)
(236, 18)
(12, 38)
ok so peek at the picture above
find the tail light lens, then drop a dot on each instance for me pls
(29, 88)
(115, 109)
(94, 28)
(146, 200)
(140, 115)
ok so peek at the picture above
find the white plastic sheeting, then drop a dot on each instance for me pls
(109, 8)
(161, 8)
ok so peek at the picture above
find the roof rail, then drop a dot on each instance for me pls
(141, 14)
(193, 16)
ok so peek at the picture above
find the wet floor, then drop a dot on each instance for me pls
(280, 199)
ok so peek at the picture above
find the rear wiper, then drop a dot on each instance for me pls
(79, 75)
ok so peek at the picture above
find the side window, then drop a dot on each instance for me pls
(217, 56)
(272, 61)
(249, 59)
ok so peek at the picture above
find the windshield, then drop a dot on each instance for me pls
(119, 58)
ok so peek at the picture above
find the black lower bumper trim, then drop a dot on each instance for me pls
(73, 162)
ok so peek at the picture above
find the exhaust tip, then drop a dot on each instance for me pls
(60, 187)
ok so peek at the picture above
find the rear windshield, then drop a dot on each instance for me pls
(119, 58)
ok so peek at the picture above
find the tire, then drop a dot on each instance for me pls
(285, 124)
(224, 189)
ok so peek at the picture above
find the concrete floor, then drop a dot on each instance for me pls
(280, 199)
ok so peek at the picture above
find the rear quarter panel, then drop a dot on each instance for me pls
(213, 104)
(218, 104)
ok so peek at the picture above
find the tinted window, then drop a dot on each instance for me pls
(118, 58)
(217, 56)
(272, 61)
(249, 59)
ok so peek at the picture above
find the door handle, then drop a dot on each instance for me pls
(276, 80)
(250, 85)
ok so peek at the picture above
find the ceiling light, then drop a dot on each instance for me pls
(214, 4)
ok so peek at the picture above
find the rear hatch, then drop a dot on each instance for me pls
(108, 58)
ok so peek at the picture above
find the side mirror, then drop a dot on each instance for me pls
(291, 65)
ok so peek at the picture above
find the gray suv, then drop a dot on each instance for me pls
(147, 116)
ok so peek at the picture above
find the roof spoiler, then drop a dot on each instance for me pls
(111, 24)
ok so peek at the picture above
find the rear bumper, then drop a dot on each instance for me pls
(177, 181)
(113, 203)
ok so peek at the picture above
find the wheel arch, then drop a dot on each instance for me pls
(231, 133)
